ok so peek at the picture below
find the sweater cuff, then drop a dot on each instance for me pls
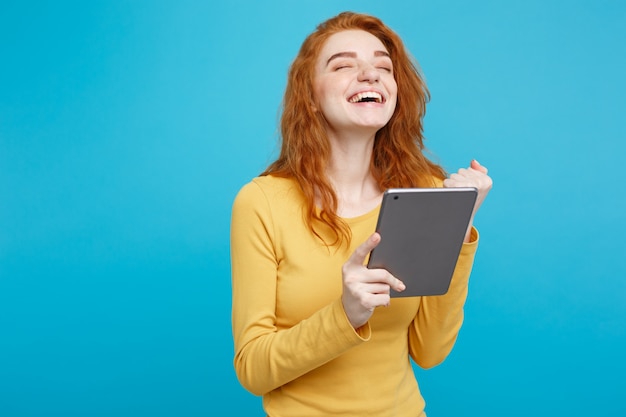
(363, 333)
(473, 241)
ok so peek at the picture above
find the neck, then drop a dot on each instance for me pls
(350, 174)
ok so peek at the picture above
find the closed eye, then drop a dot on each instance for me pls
(385, 65)
(342, 64)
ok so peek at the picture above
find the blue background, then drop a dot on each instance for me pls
(126, 128)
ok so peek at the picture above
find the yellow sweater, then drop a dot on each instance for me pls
(293, 342)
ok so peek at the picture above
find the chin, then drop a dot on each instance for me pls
(374, 124)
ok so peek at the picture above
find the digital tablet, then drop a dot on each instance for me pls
(422, 231)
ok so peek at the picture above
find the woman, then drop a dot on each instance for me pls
(316, 332)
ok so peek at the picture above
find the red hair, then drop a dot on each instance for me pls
(397, 160)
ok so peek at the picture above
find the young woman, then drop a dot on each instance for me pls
(316, 332)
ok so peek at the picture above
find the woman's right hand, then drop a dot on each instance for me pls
(365, 289)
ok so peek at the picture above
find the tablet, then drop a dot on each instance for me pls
(422, 231)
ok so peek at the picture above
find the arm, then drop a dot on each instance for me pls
(436, 326)
(267, 357)
(473, 176)
(439, 319)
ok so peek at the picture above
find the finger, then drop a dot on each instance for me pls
(379, 300)
(453, 182)
(460, 176)
(376, 288)
(478, 167)
(457, 180)
(382, 277)
(361, 252)
(398, 286)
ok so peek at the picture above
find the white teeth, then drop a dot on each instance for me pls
(366, 94)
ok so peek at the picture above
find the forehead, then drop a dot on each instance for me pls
(363, 43)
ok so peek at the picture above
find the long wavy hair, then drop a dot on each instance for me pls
(397, 159)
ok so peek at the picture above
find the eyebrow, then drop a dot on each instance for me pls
(353, 55)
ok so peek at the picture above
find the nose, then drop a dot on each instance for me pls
(368, 73)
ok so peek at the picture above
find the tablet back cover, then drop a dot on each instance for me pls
(422, 232)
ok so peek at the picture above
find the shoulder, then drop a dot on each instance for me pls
(269, 186)
(428, 181)
(436, 181)
(267, 191)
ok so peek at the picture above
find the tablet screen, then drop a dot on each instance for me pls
(422, 232)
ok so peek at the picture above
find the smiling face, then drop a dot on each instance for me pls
(354, 84)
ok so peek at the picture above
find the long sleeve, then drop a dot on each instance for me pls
(268, 355)
(435, 328)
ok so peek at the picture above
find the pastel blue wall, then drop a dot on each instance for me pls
(126, 128)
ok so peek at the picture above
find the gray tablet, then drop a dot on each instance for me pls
(422, 231)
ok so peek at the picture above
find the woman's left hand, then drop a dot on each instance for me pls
(473, 176)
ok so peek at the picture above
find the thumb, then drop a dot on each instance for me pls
(360, 253)
(477, 166)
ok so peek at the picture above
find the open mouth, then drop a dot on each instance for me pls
(366, 97)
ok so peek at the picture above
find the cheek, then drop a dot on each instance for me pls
(320, 92)
(393, 94)
(392, 87)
